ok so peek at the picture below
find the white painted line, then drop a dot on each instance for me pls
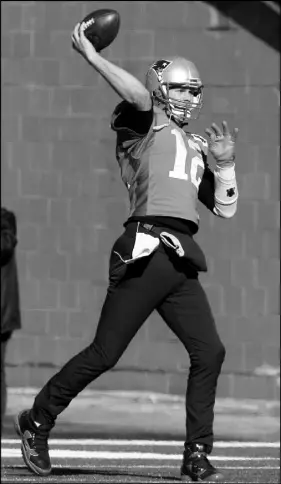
(143, 466)
(135, 466)
(85, 454)
(161, 443)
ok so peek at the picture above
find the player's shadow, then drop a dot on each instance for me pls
(60, 473)
(108, 472)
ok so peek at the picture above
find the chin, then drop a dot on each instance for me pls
(180, 118)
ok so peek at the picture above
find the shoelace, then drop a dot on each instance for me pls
(39, 441)
(197, 454)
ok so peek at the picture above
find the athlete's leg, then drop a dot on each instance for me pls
(188, 314)
(127, 305)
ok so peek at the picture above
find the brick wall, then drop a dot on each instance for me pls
(60, 176)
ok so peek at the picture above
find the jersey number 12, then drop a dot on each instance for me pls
(180, 161)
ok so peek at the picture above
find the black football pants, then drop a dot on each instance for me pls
(164, 282)
(5, 337)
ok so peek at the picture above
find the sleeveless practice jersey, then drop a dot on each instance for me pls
(162, 167)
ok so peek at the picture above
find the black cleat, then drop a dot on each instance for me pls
(196, 467)
(34, 446)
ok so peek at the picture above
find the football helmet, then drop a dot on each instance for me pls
(176, 73)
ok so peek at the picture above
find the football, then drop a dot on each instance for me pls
(101, 27)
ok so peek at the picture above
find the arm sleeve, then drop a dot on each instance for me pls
(226, 192)
(129, 123)
(218, 191)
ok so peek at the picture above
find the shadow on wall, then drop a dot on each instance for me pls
(262, 19)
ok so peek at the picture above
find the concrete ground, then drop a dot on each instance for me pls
(150, 415)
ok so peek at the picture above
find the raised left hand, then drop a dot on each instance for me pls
(222, 143)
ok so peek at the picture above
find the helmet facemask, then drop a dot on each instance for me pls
(181, 110)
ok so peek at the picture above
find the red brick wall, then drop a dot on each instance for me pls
(60, 176)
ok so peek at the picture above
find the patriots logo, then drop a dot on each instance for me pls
(230, 192)
(159, 66)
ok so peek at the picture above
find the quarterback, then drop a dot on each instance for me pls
(155, 263)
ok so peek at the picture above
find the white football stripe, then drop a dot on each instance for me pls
(85, 454)
(162, 466)
(135, 466)
(160, 443)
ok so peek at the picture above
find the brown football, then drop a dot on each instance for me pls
(101, 27)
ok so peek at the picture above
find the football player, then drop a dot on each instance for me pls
(155, 263)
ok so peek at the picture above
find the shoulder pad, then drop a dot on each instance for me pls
(203, 140)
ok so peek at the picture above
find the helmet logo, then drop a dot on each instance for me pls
(159, 66)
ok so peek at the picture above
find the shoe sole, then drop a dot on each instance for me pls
(29, 464)
(217, 478)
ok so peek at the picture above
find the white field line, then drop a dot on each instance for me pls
(85, 454)
(136, 466)
(143, 466)
(160, 443)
